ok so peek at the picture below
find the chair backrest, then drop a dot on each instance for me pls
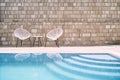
(21, 33)
(55, 33)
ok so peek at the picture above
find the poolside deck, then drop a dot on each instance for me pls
(112, 49)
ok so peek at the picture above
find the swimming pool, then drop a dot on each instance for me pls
(74, 66)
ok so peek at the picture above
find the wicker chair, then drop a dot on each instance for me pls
(21, 34)
(53, 35)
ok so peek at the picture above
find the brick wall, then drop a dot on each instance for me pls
(85, 22)
(75, 34)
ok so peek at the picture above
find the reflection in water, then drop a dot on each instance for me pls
(21, 56)
(55, 56)
(37, 54)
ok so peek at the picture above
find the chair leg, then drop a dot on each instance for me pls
(40, 41)
(56, 41)
(17, 43)
(45, 42)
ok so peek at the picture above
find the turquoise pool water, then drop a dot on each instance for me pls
(75, 66)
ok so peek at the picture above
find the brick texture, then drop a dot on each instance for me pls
(75, 34)
(85, 22)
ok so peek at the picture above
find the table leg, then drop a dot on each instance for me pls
(30, 42)
(21, 42)
(34, 41)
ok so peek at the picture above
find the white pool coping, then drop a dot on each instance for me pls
(112, 49)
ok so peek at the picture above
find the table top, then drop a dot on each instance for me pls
(36, 36)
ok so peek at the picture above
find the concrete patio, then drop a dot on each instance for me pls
(111, 49)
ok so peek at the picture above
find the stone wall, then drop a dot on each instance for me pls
(85, 22)
(60, 10)
(75, 34)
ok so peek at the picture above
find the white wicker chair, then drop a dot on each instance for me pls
(21, 34)
(53, 35)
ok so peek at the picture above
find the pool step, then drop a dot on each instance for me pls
(64, 75)
(71, 72)
(99, 56)
(102, 75)
(92, 66)
(85, 70)
(89, 61)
